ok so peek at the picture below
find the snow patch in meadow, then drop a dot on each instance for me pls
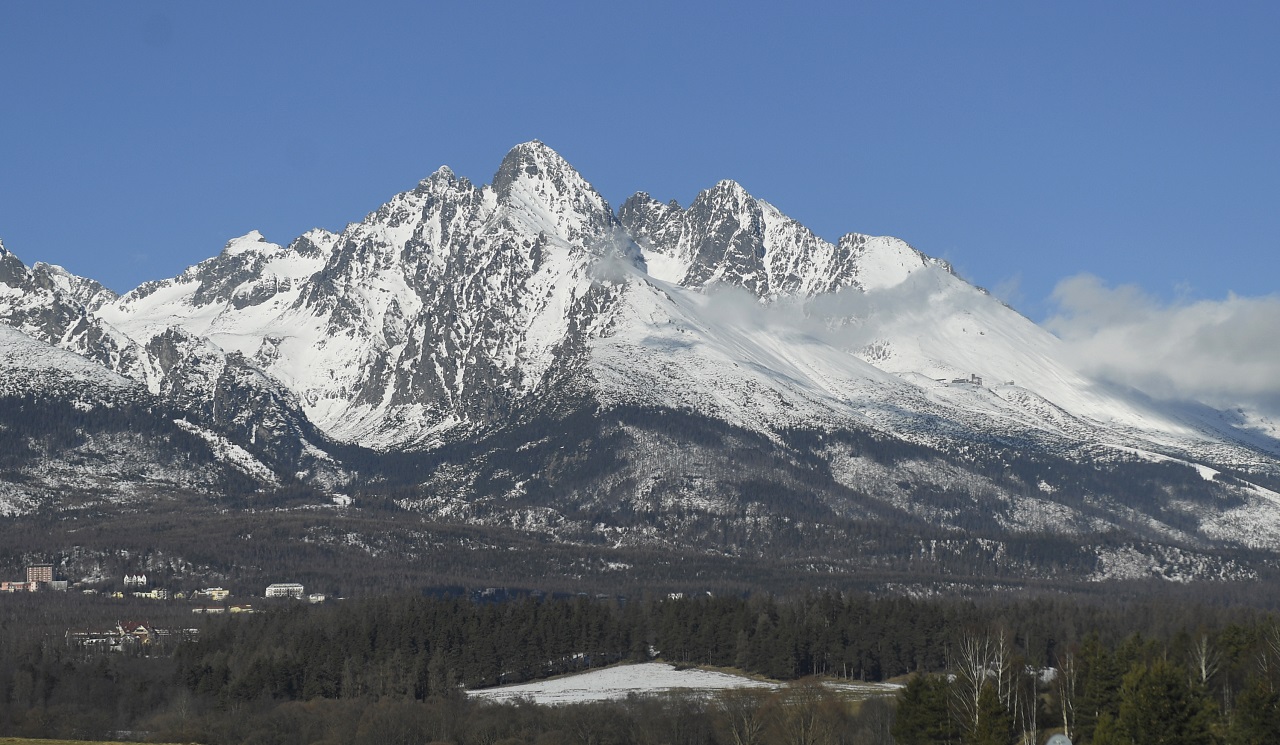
(651, 679)
(611, 683)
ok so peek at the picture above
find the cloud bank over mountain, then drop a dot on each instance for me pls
(1216, 351)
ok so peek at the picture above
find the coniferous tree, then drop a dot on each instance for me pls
(924, 716)
(1100, 680)
(1159, 706)
(994, 724)
(1256, 717)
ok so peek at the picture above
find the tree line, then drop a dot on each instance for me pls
(978, 670)
(1202, 687)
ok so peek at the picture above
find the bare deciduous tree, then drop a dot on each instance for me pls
(1065, 682)
(1024, 702)
(1269, 656)
(971, 666)
(809, 714)
(744, 714)
(1205, 660)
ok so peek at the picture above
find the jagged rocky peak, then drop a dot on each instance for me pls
(728, 192)
(88, 293)
(720, 238)
(546, 194)
(12, 271)
(883, 261)
(56, 307)
(643, 215)
(251, 241)
(238, 274)
(727, 236)
(444, 180)
(316, 242)
(411, 207)
(70, 289)
(532, 160)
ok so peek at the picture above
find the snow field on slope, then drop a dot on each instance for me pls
(941, 327)
(27, 365)
(647, 679)
(665, 267)
(667, 348)
(762, 368)
(231, 453)
(887, 262)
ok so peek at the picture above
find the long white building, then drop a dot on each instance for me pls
(285, 590)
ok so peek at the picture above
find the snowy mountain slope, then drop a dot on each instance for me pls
(910, 315)
(49, 307)
(32, 368)
(52, 305)
(724, 357)
(459, 329)
(452, 303)
(75, 435)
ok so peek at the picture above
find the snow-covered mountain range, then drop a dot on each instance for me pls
(645, 377)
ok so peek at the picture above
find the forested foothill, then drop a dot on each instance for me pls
(1154, 667)
(590, 498)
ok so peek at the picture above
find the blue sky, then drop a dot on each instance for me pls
(1025, 142)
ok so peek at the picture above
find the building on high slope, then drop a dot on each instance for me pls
(216, 594)
(19, 587)
(285, 590)
(40, 573)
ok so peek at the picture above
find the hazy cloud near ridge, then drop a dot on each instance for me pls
(1222, 352)
(847, 318)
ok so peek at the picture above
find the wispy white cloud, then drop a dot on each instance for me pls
(1223, 352)
(1009, 290)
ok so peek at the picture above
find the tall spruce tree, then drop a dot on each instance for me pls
(1255, 719)
(1159, 706)
(994, 724)
(924, 716)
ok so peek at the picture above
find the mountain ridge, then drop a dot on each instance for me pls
(456, 319)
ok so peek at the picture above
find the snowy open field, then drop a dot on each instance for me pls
(649, 678)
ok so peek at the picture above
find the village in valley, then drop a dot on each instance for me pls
(142, 635)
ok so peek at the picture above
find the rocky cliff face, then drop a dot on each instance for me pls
(51, 305)
(442, 309)
(727, 236)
